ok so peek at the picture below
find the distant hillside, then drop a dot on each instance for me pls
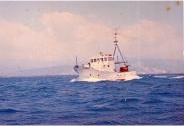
(55, 70)
(154, 66)
(142, 66)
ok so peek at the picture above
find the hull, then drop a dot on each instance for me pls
(93, 75)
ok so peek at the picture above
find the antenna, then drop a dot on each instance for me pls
(76, 62)
(115, 36)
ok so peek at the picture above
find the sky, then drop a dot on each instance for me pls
(46, 34)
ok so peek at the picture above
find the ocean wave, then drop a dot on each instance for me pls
(132, 99)
(79, 103)
(177, 77)
(101, 105)
(160, 76)
(8, 110)
(153, 101)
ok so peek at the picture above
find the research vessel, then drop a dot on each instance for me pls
(106, 67)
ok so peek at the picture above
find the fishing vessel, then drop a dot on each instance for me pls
(106, 67)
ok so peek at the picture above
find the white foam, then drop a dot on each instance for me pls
(132, 78)
(178, 77)
(86, 80)
(73, 80)
(160, 76)
(91, 79)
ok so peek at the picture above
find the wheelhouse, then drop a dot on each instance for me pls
(102, 58)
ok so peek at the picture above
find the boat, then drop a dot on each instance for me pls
(106, 67)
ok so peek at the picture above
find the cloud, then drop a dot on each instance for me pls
(64, 35)
(76, 32)
(150, 39)
(20, 43)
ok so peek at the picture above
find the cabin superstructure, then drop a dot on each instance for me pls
(109, 62)
(102, 62)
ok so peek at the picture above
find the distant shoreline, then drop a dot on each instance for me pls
(58, 75)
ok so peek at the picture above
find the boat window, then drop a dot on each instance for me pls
(101, 59)
(94, 60)
(91, 60)
(105, 59)
(110, 58)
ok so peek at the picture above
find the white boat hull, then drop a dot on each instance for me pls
(93, 75)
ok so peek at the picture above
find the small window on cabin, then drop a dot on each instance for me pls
(94, 60)
(105, 59)
(101, 59)
(91, 60)
(110, 58)
(108, 65)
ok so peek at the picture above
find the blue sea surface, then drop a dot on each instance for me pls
(153, 99)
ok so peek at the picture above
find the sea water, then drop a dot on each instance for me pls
(153, 99)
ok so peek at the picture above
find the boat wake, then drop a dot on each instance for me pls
(86, 80)
(160, 76)
(177, 77)
(136, 77)
(169, 77)
(73, 80)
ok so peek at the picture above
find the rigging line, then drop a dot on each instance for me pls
(121, 54)
(114, 51)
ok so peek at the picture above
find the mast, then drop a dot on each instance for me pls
(76, 67)
(76, 62)
(117, 48)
